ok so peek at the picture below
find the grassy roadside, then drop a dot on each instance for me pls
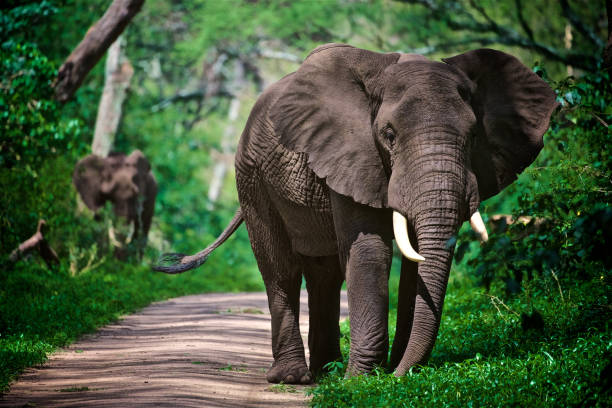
(486, 356)
(42, 309)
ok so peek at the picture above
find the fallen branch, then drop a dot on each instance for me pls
(36, 242)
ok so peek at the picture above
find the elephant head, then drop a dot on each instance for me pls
(428, 140)
(126, 181)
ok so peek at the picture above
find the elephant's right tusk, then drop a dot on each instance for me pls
(400, 230)
(479, 227)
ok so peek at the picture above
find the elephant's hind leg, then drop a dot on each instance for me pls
(323, 280)
(281, 270)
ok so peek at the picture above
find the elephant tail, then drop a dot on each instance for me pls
(178, 263)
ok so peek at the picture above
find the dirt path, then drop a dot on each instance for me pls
(193, 351)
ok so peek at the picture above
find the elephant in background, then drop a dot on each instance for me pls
(128, 183)
(357, 148)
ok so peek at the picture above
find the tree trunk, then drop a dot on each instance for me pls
(97, 40)
(118, 73)
(567, 39)
(227, 141)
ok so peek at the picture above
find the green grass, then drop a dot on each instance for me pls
(483, 356)
(282, 388)
(41, 309)
(230, 367)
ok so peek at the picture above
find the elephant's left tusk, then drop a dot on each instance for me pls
(400, 230)
(113, 238)
(479, 227)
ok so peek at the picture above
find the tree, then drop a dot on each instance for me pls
(89, 51)
(481, 27)
(118, 73)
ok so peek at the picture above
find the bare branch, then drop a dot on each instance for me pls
(579, 25)
(180, 96)
(484, 14)
(93, 46)
(504, 35)
(519, 14)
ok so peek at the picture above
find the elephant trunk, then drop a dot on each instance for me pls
(435, 209)
(432, 280)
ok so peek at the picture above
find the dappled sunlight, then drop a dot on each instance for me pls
(202, 350)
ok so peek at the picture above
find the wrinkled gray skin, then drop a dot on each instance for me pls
(127, 182)
(330, 150)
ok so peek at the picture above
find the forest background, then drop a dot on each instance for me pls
(527, 315)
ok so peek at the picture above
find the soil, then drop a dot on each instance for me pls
(208, 350)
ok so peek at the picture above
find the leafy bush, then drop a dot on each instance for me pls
(37, 145)
(566, 191)
(485, 357)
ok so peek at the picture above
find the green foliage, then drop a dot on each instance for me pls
(483, 356)
(37, 144)
(16, 19)
(30, 119)
(566, 191)
(43, 309)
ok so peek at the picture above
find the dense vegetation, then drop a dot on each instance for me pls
(527, 315)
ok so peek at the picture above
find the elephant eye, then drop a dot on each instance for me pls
(389, 134)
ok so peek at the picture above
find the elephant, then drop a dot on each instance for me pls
(357, 148)
(128, 183)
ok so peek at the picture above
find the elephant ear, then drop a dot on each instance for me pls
(138, 159)
(87, 178)
(513, 107)
(138, 163)
(325, 110)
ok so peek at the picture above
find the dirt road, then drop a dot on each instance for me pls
(195, 351)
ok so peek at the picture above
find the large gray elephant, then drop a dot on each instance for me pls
(357, 147)
(128, 183)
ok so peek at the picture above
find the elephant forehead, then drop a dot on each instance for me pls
(418, 74)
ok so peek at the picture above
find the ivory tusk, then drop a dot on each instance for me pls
(400, 230)
(479, 227)
(113, 238)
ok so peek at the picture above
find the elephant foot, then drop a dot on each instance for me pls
(289, 373)
(355, 368)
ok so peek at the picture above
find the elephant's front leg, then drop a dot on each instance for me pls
(365, 248)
